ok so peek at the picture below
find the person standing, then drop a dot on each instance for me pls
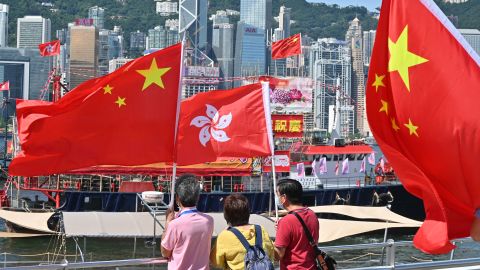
(186, 240)
(291, 244)
(228, 252)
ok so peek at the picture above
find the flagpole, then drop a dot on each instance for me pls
(174, 168)
(275, 186)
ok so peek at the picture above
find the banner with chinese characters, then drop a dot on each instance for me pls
(291, 94)
(287, 126)
(282, 162)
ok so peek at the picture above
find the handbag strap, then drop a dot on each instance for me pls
(305, 228)
(258, 236)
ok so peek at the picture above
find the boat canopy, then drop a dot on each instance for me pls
(330, 149)
(224, 166)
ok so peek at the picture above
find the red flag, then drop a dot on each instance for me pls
(422, 106)
(229, 123)
(50, 48)
(287, 47)
(124, 118)
(5, 86)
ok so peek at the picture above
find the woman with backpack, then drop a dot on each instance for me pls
(242, 245)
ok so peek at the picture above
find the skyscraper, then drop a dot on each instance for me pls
(193, 21)
(110, 48)
(137, 40)
(32, 30)
(473, 38)
(3, 25)
(160, 37)
(252, 54)
(284, 21)
(222, 45)
(98, 15)
(368, 40)
(331, 71)
(83, 54)
(354, 40)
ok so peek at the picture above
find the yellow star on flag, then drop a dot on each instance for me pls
(401, 59)
(153, 75)
(394, 124)
(121, 102)
(378, 82)
(107, 89)
(411, 128)
(384, 107)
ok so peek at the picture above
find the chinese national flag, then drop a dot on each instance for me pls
(124, 118)
(228, 123)
(287, 47)
(5, 86)
(50, 48)
(422, 106)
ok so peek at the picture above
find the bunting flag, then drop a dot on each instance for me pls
(362, 165)
(422, 99)
(50, 48)
(127, 117)
(337, 166)
(323, 165)
(231, 123)
(301, 170)
(371, 158)
(287, 47)
(316, 167)
(5, 86)
(345, 167)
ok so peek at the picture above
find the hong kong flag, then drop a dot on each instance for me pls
(422, 106)
(5, 86)
(229, 123)
(50, 48)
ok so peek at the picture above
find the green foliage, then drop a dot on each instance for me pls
(314, 19)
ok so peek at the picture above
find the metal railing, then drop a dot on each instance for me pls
(96, 264)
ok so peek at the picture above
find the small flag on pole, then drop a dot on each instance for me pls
(362, 166)
(323, 165)
(50, 48)
(345, 167)
(336, 167)
(5, 86)
(301, 170)
(371, 158)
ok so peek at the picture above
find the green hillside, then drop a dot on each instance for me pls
(315, 20)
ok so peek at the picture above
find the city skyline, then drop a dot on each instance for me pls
(369, 4)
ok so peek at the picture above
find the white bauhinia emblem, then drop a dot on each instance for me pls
(212, 124)
(49, 48)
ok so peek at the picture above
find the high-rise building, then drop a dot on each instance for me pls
(223, 50)
(473, 38)
(137, 40)
(355, 40)
(26, 70)
(172, 24)
(84, 52)
(368, 41)
(284, 21)
(4, 25)
(257, 13)
(160, 37)
(330, 69)
(97, 14)
(199, 79)
(193, 21)
(32, 30)
(110, 47)
(115, 64)
(250, 51)
(166, 7)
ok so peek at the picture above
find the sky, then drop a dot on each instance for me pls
(370, 4)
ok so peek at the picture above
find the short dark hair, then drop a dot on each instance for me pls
(187, 189)
(292, 189)
(236, 210)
